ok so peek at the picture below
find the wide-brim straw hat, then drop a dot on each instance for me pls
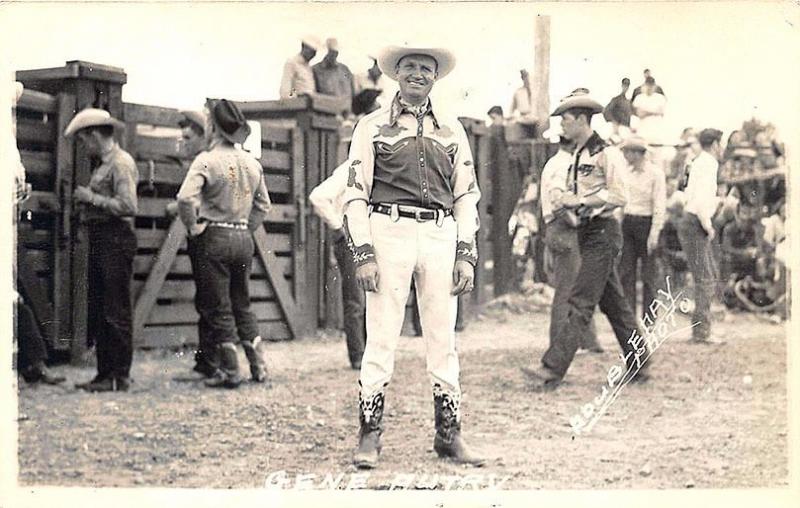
(580, 98)
(634, 143)
(91, 117)
(390, 56)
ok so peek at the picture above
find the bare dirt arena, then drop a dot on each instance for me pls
(700, 423)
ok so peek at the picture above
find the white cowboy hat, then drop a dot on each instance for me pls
(91, 117)
(634, 143)
(579, 98)
(391, 55)
(18, 89)
(312, 41)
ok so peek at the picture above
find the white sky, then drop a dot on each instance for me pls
(719, 63)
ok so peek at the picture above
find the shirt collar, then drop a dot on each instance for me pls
(106, 156)
(399, 106)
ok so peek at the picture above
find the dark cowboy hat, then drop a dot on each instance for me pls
(229, 120)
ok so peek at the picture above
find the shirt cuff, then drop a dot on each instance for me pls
(467, 251)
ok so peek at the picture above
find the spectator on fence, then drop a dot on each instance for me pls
(110, 204)
(496, 116)
(640, 89)
(298, 78)
(696, 229)
(334, 78)
(644, 216)
(619, 111)
(422, 225)
(222, 200)
(561, 240)
(374, 79)
(649, 108)
(522, 101)
(328, 201)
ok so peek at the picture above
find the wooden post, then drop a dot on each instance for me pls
(541, 74)
(91, 85)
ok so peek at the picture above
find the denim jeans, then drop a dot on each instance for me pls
(224, 258)
(695, 243)
(635, 232)
(112, 247)
(32, 349)
(597, 283)
(206, 357)
(353, 301)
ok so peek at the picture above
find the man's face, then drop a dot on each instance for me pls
(308, 52)
(647, 74)
(633, 156)
(416, 75)
(192, 140)
(524, 76)
(332, 55)
(90, 140)
(572, 125)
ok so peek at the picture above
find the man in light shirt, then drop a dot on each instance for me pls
(645, 213)
(696, 230)
(298, 78)
(522, 102)
(328, 201)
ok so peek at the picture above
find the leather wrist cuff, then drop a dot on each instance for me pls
(467, 252)
(362, 254)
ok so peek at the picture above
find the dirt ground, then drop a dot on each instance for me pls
(700, 422)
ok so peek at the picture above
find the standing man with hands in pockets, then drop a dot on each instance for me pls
(411, 211)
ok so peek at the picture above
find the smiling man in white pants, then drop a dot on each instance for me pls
(411, 212)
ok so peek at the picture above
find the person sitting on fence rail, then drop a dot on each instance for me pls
(221, 201)
(298, 78)
(328, 201)
(412, 168)
(110, 204)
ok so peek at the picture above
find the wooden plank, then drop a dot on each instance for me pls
(278, 184)
(171, 337)
(151, 115)
(37, 260)
(156, 207)
(144, 147)
(307, 289)
(162, 171)
(279, 284)
(143, 264)
(184, 312)
(264, 109)
(274, 159)
(184, 290)
(325, 122)
(149, 293)
(271, 133)
(37, 101)
(35, 238)
(36, 296)
(35, 132)
(41, 201)
(153, 238)
(38, 164)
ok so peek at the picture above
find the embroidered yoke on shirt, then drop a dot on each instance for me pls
(595, 171)
(405, 157)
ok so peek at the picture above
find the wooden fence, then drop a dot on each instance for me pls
(294, 288)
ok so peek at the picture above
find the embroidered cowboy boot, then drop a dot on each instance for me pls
(258, 366)
(369, 435)
(448, 442)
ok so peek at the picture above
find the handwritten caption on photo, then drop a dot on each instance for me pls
(658, 325)
(281, 480)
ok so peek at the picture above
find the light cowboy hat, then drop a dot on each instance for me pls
(634, 143)
(229, 120)
(579, 98)
(193, 117)
(91, 117)
(312, 42)
(390, 56)
(18, 89)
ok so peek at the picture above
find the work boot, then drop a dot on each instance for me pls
(448, 442)
(227, 376)
(110, 384)
(258, 366)
(369, 435)
(39, 373)
(542, 378)
(85, 385)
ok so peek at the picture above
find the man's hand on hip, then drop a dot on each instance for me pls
(367, 277)
(463, 278)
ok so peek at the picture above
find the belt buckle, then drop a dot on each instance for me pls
(418, 215)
